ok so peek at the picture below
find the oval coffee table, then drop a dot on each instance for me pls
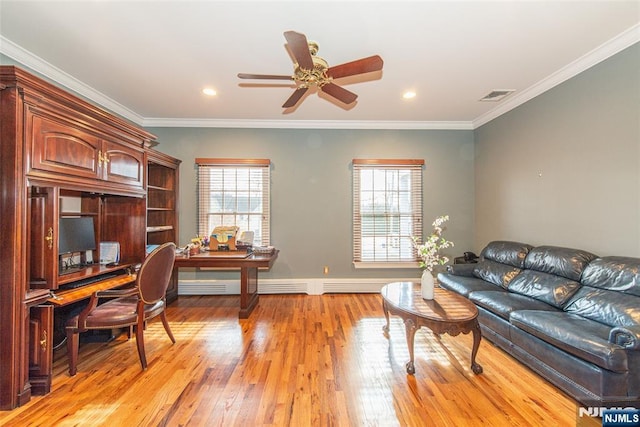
(447, 312)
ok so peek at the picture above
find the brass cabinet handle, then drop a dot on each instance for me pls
(43, 341)
(49, 238)
(102, 158)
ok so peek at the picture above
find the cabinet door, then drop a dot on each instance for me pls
(122, 164)
(43, 238)
(59, 147)
(40, 348)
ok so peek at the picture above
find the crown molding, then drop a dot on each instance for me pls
(597, 55)
(56, 75)
(306, 124)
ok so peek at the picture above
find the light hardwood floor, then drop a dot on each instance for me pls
(299, 360)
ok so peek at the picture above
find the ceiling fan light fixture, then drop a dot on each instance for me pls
(312, 72)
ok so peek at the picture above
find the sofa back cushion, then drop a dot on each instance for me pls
(505, 252)
(501, 261)
(614, 273)
(545, 287)
(610, 292)
(565, 262)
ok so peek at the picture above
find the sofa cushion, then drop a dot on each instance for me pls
(608, 307)
(464, 285)
(565, 262)
(554, 290)
(505, 252)
(614, 273)
(581, 337)
(502, 303)
(496, 273)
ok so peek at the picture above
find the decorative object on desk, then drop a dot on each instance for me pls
(430, 256)
(109, 252)
(195, 246)
(246, 238)
(263, 249)
(151, 248)
(223, 238)
(245, 241)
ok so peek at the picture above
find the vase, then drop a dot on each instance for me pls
(427, 284)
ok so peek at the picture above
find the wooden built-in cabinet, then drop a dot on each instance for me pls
(63, 157)
(162, 206)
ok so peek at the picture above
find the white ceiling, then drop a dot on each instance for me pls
(149, 60)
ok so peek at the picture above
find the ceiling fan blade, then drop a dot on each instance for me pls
(264, 76)
(360, 66)
(340, 93)
(293, 99)
(300, 49)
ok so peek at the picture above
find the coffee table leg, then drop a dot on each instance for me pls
(477, 336)
(385, 328)
(410, 328)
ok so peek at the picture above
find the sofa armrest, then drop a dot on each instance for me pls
(461, 269)
(627, 337)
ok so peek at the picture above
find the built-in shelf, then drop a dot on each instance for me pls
(162, 205)
(156, 187)
(159, 228)
(78, 214)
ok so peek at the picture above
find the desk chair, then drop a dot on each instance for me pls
(127, 307)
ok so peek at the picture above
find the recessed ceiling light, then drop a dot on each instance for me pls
(409, 95)
(209, 91)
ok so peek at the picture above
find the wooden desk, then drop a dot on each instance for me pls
(447, 312)
(248, 265)
(64, 297)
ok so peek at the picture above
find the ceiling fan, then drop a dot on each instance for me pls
(311, 70)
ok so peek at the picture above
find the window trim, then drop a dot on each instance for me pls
(417, 210)
(263, 164)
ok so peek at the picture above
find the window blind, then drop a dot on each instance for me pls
(234, 192)
(387, 209)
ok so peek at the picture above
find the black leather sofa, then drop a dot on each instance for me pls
(572, 317)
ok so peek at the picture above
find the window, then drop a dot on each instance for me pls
(387, 211)
(234, 192)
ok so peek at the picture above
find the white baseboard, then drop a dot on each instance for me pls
(313, 286)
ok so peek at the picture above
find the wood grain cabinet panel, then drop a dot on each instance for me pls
(40, 348)
(61, 148)
(122, 164)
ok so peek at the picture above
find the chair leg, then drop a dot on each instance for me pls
(140, 344)
(73, 337)
(166, 327)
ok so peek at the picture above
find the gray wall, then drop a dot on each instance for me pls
(564, 168)
(311, 203)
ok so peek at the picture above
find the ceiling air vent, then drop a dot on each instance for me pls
(497, 95)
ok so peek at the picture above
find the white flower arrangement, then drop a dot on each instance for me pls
(428, 251)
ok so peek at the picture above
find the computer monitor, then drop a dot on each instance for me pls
(76, 234)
